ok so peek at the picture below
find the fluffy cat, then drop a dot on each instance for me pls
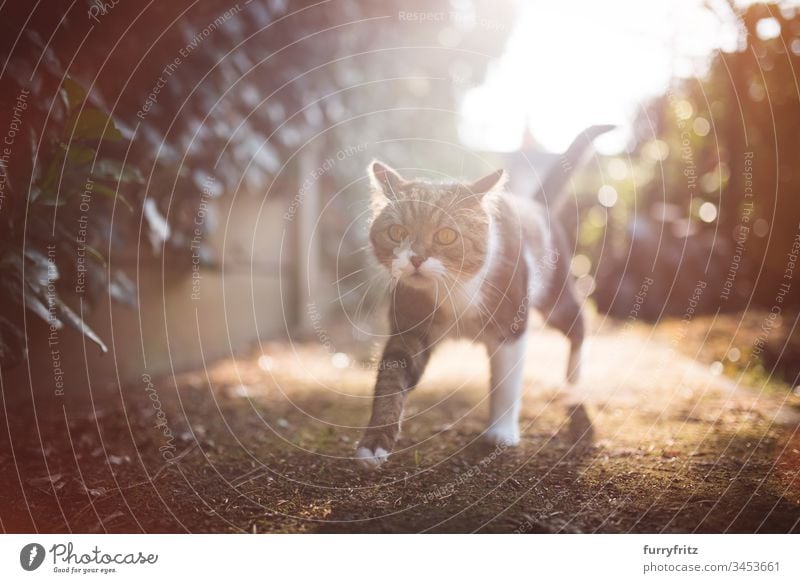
(467, 260)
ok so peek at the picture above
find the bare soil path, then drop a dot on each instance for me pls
(264, 445)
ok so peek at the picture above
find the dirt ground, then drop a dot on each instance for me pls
(263, 444)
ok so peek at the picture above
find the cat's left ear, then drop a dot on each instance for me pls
(490, 182)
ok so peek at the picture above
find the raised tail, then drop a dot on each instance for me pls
(556, 179)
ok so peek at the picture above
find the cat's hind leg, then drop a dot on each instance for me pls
(567, 317)
(507, 361)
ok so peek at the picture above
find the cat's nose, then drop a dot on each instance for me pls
(417, 260)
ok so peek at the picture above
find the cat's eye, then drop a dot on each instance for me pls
(446, 236)
(397, 233)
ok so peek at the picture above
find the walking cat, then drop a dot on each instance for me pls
(467, 260)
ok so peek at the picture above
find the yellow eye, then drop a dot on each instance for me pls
(446, 236)
(397, 233)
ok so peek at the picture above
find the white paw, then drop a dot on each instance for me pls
(501, 435)
(369, 459)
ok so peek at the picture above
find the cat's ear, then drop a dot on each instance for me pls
(490, 182)
(385, 179)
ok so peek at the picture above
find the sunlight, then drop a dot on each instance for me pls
(560, 74)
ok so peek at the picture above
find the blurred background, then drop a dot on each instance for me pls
(210, 160)
(185, 181)
(200, 168)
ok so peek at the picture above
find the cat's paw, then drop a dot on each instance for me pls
(371, 459)
(502, 436)
(375, 446)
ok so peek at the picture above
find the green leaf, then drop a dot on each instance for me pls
(113, 170)
(92, 124)
(40, 270)
(80, 155)
(97, 255)
(91, 250)
(51, 200)
(46, 187)
(122, 289)
(38, 302)
(78, 323)
(35, 193)
(73, 92)
(112, 194)
(37, 306)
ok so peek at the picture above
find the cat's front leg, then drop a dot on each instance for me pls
(507, 361)
(399, 370)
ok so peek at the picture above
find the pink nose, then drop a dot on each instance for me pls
(416, 260)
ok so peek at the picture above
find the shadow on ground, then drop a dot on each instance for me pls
(243, 448)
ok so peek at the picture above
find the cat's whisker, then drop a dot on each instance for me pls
(360, 304)
(352, 273)
(386, 287)
(359, 250)
(356, 288)
(457, 315)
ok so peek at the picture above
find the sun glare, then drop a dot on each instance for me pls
(560, 74)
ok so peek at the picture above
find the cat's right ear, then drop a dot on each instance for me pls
(385, 179)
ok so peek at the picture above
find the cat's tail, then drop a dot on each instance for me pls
(553, 186)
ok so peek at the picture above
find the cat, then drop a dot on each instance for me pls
(468, 260)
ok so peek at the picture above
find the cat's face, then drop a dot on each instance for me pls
(425, 234)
